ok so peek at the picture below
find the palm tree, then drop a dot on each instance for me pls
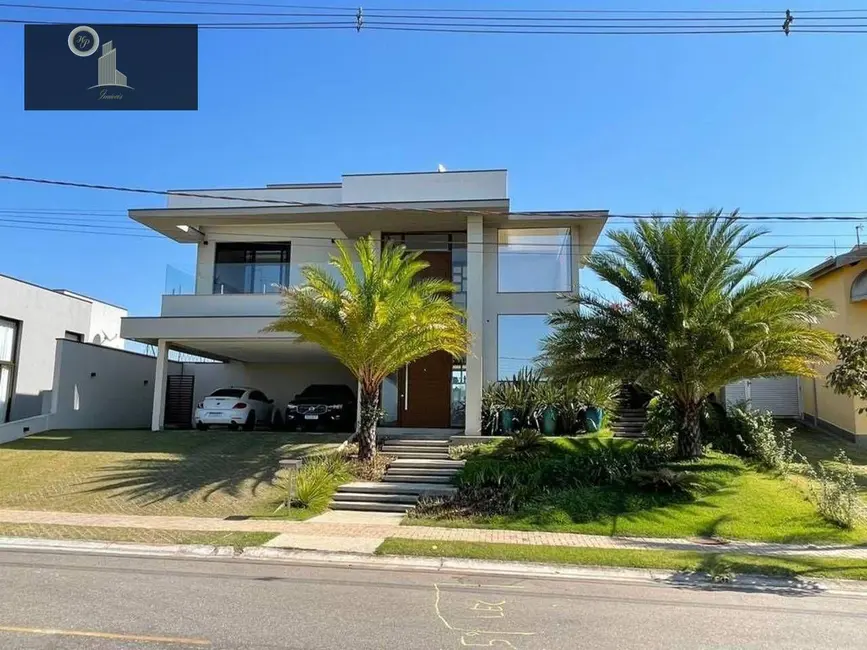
(692, 317)
(376, 321)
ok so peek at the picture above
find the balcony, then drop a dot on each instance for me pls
(237, 290)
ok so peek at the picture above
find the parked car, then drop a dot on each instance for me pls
(238, 406)
(323, 406)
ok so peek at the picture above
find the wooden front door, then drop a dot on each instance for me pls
(425, 386)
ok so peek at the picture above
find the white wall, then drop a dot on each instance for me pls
(44, 316)
(325, 193)
(432, 186)
(97, 387)
(280, 382)
(104, 326)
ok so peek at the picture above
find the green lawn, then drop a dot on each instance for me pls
(140, 535)
(820, 446)
(191, 473)
(713, 563)
(736, 502)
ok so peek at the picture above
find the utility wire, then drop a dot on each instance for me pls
(392, 208)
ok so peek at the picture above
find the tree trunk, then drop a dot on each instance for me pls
(367, 424)
(689, 436)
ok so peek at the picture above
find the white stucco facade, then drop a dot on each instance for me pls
(39, 317)
(469, 208)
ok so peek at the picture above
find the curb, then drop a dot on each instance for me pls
(659, 578)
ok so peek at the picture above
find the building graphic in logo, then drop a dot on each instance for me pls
(109, 75)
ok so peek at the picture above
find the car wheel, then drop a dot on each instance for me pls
(201, 426)
(250, 424)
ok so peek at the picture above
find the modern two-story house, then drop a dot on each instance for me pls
(509, 266)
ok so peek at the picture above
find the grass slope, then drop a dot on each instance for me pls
(736, 502)
(207, 474)
(790, 566)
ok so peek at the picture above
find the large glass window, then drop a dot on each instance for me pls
(534, 260)
(251, 267)
(8, 348)
(519, 342)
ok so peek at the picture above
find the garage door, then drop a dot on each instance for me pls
(779, 395)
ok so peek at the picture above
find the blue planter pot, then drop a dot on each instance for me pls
(593, 419)
(549, 421)
(507, 420)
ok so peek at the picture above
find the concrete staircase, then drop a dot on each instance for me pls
(422, 468)
(629, 423)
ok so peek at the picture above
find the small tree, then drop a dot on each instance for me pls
(692, 317)
(377, 320)
(849, 377)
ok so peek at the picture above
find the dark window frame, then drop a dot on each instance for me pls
(69, 335)
(249, 250)
(18, 328)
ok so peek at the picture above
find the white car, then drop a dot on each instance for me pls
(238, 406)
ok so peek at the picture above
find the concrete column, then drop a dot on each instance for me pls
(160, 373)
(475, 323)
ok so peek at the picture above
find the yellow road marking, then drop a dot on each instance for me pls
(105, 635)
(449, 626)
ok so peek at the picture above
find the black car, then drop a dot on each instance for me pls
(330, 407)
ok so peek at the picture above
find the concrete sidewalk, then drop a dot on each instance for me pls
(365, 537)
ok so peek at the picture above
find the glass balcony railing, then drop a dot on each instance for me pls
(241, 278)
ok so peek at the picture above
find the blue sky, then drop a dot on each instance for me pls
(631, 124)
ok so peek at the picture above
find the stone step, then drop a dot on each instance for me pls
(431, 455)
(394, 477)
(416, 442)
(426, 462)
(628, 425)
(419, 471)
(377, 497)
(393, 487)
(430, 449)
(370, 506)
(628, 434)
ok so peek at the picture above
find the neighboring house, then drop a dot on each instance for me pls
(509, 268)
(843, 281)
(32, 318)
(779, 395)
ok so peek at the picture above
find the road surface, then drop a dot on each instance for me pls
(60, 600)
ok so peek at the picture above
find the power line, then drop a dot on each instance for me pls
(382, 208)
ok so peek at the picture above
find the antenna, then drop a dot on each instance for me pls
(858, 234)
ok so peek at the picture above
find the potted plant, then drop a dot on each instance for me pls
(511, 403)
(600, 395)
(547, 400)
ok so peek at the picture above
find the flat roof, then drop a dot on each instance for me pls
(60, 292)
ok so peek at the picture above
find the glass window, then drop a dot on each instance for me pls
(459, 393)
(251, 267)
(8, 343)
(534, 260)
(228, 392)
(859, 287)
(7, 340)
(519, 339)
(74, 336)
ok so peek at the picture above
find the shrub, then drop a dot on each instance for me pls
(523, 444)
(372, 470)
(835, 491)
(663, 422)
(317, 480)
(760, 440)
(664, 479)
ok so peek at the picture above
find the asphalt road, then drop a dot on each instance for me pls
(55, 600)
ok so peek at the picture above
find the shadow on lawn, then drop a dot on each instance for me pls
(232, 464)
